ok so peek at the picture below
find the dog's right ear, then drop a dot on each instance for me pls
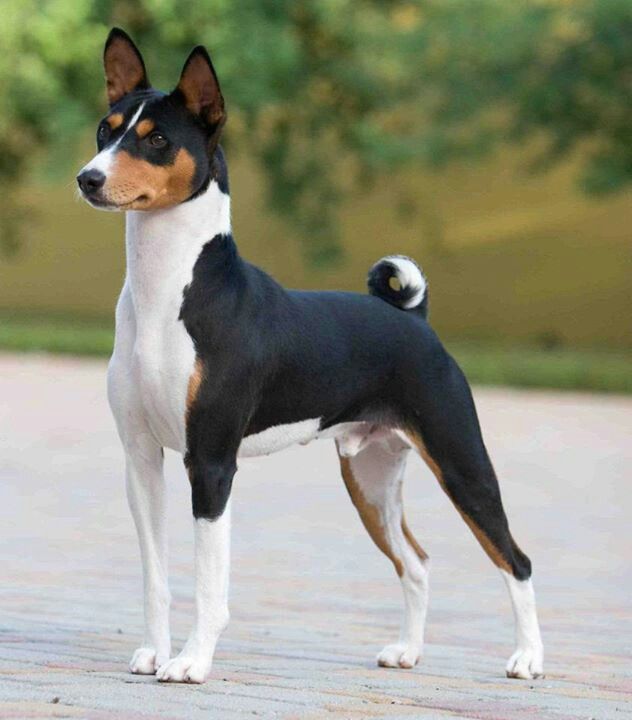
(124, 66)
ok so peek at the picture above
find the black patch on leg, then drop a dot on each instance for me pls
(450, 436)
(477, 497)
(211, 483)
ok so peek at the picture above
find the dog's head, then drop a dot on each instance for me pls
(155, 150)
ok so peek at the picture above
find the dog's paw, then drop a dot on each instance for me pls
(145, 661)
(526, 663)
(185, 669)
(399, 655)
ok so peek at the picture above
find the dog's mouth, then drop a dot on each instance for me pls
(101, 202)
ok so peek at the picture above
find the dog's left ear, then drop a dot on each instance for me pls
(124, 66)
(200, 89)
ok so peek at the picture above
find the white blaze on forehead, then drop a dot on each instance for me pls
(132, 122)
(103, 160)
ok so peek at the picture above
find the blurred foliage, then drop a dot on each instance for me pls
(328, 94)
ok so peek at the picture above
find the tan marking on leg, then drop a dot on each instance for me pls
(423, 556)
(369, 514)
(193, 388)
(115, 120)
(488, 546)
(136, 184)
(144, 127)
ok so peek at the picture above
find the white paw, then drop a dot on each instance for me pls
(526, 663)
(185, 668)
(145, 661)
(399, 655)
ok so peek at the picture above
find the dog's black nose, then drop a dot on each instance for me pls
(90, 181)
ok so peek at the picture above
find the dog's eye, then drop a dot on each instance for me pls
(157, 140)
(103, 132)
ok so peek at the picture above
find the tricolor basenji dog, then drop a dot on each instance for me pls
(215, 360)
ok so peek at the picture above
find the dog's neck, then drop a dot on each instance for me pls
(163, 246)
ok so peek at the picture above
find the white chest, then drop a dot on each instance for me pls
(162, 364)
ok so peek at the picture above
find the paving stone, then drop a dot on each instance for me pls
(312, 600)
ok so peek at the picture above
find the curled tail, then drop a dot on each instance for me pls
(398, 280)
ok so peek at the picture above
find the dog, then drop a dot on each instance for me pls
(212, 358)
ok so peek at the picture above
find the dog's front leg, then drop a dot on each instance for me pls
(211, 482)
(147, 500)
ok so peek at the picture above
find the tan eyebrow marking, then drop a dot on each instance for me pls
(144, 127)
(115, 120)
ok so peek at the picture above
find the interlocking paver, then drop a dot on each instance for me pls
(312, 600)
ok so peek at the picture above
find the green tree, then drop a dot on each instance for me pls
(327, 95)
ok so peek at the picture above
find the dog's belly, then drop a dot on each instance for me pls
(279, 437)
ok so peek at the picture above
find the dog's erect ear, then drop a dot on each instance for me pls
(124, 66)
(200, 88)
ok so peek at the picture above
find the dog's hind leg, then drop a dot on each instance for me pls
(448, 437)
(147, 500)
(373, 478)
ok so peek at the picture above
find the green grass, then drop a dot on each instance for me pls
(63, 335)
(563, 368)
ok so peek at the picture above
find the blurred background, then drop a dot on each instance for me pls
(490, 140)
